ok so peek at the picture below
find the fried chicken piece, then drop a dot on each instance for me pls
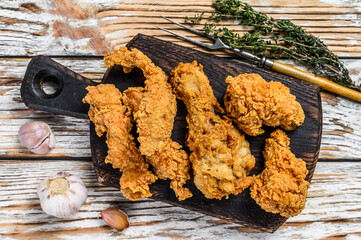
(220, 155)
(281, 187)
(251, 102)
(155, 117)
(108, 115)
(131, 98)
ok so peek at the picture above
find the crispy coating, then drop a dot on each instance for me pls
(107, 113)
(155, 117)
(281, 187)
(220, 155)
(251, 102)
(131, 98)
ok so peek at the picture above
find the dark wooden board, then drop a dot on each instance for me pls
(70, 90)
(305, 140)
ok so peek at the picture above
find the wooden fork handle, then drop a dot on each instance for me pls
(322, 82)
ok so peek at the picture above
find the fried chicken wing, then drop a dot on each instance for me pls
(281, 187)
(220, 155)
(154, 116)
(251, 102)
(108, 115)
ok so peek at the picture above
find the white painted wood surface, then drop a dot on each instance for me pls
(74, 28)
(85, 27)
(332, 209)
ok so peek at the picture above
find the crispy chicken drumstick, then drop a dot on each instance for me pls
(155, 117)
(220, 155)
(107, 113)
(281, 187)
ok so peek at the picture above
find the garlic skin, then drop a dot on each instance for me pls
(115, 218)
(37, 137)
(62, 195)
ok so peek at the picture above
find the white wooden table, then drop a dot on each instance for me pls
(77, 34)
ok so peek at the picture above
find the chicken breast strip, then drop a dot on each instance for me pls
(155, 117)
(108, 115)
(220, 155)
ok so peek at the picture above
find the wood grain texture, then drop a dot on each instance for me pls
(84, 27)
(341, 118)
(333, 208)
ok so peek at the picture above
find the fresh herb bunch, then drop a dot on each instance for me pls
(275, 38)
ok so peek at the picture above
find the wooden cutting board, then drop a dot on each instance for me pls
(305, 140)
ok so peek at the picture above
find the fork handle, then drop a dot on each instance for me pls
(322, 82)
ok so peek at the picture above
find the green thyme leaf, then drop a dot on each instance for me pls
(275, 38)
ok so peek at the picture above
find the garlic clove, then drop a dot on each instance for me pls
(62, 195)
(37, 137)
(43, 148)
(115, 218)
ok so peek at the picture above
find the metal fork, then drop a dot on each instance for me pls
(218, 44)
(265, 62)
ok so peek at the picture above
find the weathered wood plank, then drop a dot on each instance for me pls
(84, 27)
(341, 118)
(74, 27)
(332, 208)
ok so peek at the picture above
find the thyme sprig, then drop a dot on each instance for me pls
(275, 38)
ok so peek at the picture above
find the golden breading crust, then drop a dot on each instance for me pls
(251, 102)
(220, 155)
(155, 117)
(132, 97)
(107, 113)
(281, 187)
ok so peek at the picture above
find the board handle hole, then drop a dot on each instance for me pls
(47, 84)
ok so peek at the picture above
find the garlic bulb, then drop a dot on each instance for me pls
(37, 137)
(62, 195)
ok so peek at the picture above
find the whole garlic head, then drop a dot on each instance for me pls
(63, 195)
(37, 137)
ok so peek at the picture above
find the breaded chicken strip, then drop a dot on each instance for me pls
(281, 187)
(251, 102)
(107, 113)
(220, 156)
(155, 117)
